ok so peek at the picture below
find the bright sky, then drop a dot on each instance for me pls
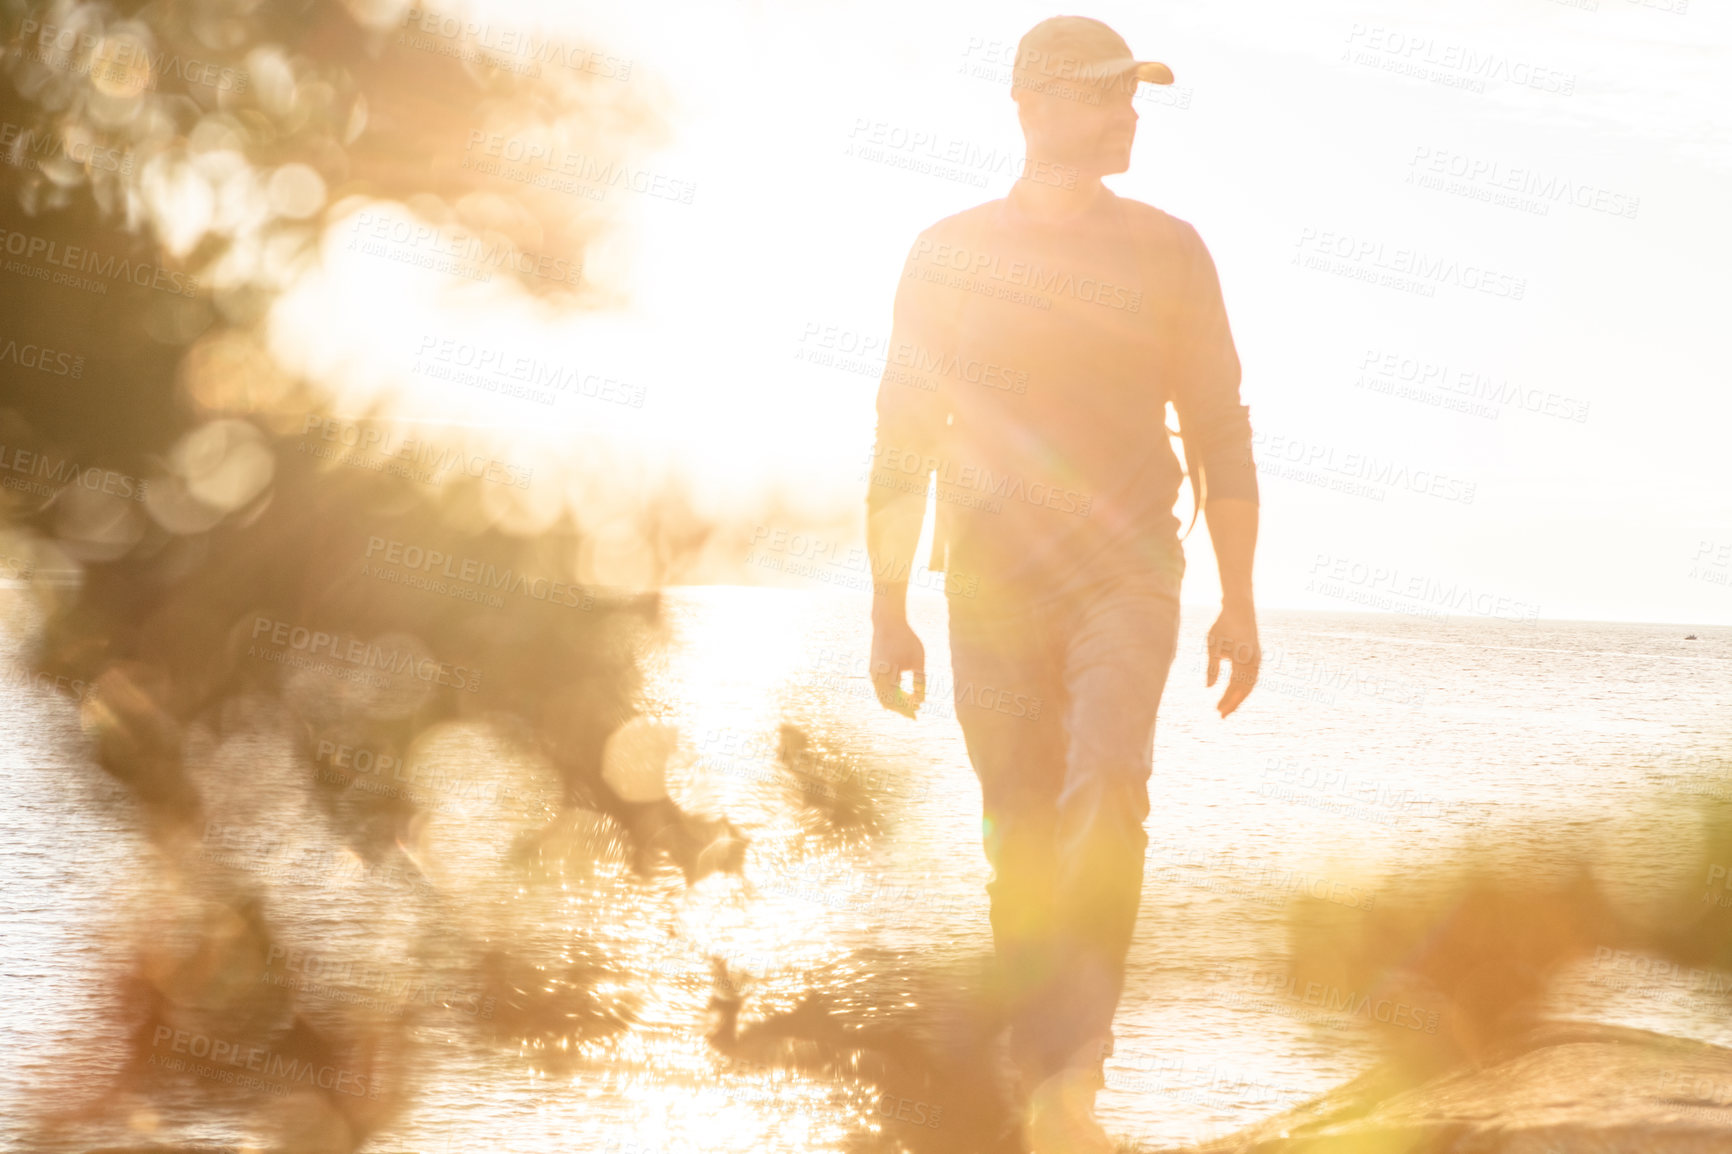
(1590, 476)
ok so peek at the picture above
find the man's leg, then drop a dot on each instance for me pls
(1119, 648)
(1009, 702)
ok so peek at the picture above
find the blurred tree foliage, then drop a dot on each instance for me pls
(171, 170)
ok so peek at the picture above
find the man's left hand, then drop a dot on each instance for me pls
(1234, 638)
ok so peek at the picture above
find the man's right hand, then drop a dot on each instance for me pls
(895, 650)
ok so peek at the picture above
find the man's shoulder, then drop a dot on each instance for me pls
(1159, 225)
(953, 228)
(1154, 223)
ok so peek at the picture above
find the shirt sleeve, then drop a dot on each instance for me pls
(913, 403)
(1205, 376)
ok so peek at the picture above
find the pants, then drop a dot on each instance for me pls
(1057, 704)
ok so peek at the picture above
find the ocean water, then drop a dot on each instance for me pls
(1373, 744)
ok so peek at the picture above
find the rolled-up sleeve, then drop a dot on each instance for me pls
(1205, 377)
(913, 403)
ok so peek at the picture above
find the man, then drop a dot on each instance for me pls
(1037, 341)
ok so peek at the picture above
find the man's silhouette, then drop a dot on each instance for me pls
(1038, 340)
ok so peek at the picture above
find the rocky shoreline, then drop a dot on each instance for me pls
(1562, 1088)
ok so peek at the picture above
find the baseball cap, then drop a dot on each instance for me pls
(1078, 50)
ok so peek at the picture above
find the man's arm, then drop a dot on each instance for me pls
(910, 422)
(1233, 529)
(1206, 377)
(892, 534)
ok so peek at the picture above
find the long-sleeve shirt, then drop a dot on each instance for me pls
(1030, 366)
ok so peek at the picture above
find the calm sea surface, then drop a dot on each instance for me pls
(1373, 743)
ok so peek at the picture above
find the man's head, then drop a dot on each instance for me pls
(1073, 81)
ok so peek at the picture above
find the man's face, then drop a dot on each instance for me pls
(1091, 129)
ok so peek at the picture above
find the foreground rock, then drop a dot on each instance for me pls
(1563, 1089)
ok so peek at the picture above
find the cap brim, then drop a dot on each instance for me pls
(1100, 71)
(1153, 72)
(1146, 71)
